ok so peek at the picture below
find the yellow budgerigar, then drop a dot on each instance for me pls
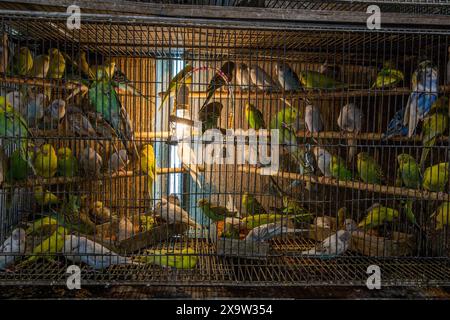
(46, 161)
(44, 197)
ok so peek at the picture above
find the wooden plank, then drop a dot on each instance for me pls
(240, 13)
(357, 185)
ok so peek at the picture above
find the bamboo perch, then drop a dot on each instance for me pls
(357, 185)
(62, 180)
(68, 84)
(313, 94)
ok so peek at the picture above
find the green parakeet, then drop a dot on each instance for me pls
(18, 168)
(14, 130)
(288, 116)
(436, 177)
(409, 171)
(315, 80)
(22, 62)
(254, 117)
(434, 125)
(212, 211)
(377, 215)
(148, 166)
(178, 259)
(103, 72)
(442, 215)
(46, 161)
(41, 225)
(209, 114)
(104, 98)
(67, 163)
(251, 204)
(49, 246)
(388, 76)
(294, 207)
(182, 77)
(44, 197)
(408, 206)
(57, 64)
(368, 169)
(338, 169)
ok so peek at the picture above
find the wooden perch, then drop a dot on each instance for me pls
(67, 84)
(358, 185)
(312, 94)
(30, 182)
(374, 136)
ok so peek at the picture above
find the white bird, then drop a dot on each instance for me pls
(267, 231)
(80, 249)
(91, 161)
(323, 160)
(242, 76)
(172, 213)
(15, 244)
(118, 161)
(35, 108)
(350, 120)
(335, 244)
(313, 119)
(126, 229)
(262, 80)
(17, 100)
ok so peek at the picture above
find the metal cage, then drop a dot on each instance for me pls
(337, 202)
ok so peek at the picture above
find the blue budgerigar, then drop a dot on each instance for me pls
(424, 94)
(395, 126)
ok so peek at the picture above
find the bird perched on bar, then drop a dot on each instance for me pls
(4, 54)
(350, 121)
(22, 62)
(254, 117)
(409, 171)
(17, 100)
(368, 169)
(377, 215)
(185, 258)
(442, 215)
(395, 126)
(323, 160)
(434, 126)
(270, 230)
(339, 170)
(213, 211)
(35, 108)
(288, 117)
(46, 161)
(209, 114)
(81, 249)
(183, 77)
(334, 245)
(118, 161)
(55, 112)
(148, 166)
(44, 197)
(15, 245)
(221, 78)
(172, 213)
(251, 204)
(18, 168)
(435, 178)
(49, 246)
(57, 64)
(91, 162)
(313, 119)
(105, 100)
(424, 93)
(79, 124)
(242, 77)
(295, 208)
(388, 76)
(287, 77)
(67, 163)
(262, 80)
(311, 79)
(14, 131)
(41, 65)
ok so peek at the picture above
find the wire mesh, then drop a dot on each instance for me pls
(90, 149)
